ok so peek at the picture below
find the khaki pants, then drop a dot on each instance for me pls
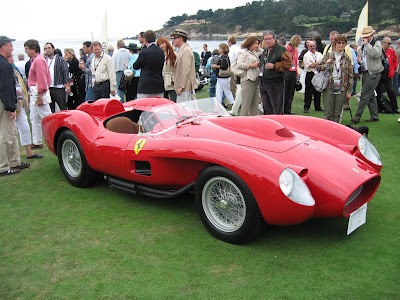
(9, 150)
(250, 97)
(233, 85)
(333, 104)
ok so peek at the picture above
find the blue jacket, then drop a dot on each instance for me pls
(8, 94)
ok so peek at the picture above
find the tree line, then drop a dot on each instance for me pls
(294, 16)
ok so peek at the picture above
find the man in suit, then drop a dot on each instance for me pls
(151, 62)
(185, 71)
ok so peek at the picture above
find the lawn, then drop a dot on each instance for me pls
(61, 242)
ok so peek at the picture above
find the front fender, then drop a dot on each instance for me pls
(259, 171)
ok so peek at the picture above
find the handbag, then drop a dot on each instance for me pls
(123, 84)
(298, 85)
(320, 81)
(235, 70)
(225, 73)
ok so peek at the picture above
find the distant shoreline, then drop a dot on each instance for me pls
(242, 36)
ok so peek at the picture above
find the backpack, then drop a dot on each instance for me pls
(384, 105)
(214, 60)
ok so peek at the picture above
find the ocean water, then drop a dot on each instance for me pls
(197, 45)
(76, 44)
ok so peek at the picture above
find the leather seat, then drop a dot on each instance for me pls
(122, 125)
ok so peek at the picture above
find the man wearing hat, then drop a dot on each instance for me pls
(10, 162)
(370, 58)
(185, 71)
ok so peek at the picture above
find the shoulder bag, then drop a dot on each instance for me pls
(320, 81)
(225, 73)
(235, 70)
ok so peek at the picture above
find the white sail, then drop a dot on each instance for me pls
(362, 22)
(104, 34)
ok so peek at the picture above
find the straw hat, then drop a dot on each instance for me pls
(367, 31)
(180, 32)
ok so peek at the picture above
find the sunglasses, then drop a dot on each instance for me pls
(176, 37)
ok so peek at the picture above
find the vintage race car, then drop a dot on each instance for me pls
(243, 171)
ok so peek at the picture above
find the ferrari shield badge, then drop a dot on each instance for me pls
(139, 145)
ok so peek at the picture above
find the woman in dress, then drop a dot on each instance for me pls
(338, 65)
(169, 67)
(77, 80)
(223, 78)
(249, 59)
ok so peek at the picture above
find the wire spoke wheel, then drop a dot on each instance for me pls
(73, 162)
(71, 158)
(224, 204)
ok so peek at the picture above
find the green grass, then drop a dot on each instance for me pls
(61, 242)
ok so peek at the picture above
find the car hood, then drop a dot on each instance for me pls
(254, 132)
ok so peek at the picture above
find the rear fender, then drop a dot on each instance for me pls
(80, 123)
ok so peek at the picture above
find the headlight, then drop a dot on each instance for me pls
(369, 151)
(295, 188)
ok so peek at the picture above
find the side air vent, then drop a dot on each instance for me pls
(143, 168)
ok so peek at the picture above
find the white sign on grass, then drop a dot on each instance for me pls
(357, 218)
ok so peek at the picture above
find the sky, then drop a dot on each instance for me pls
(79, 19)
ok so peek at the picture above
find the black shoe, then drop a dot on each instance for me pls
(306, 110)
(397, 111)
(319, 109)
(371, 120)
(34, 156)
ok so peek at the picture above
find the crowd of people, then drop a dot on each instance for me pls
(266, 70)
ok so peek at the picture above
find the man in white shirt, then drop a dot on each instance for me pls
(103, 73)
(121, 59)
(233, 53)
(311, 60)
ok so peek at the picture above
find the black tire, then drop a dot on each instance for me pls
(73, 162)
(235, 220)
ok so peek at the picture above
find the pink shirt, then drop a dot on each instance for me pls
(294, 54)
(39, 73)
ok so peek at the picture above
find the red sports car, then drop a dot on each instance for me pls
(243, 171)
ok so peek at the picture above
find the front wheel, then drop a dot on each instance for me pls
(227, 206)
(73, 162)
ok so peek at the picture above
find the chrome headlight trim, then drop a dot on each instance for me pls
(369, 151)
(295, 188)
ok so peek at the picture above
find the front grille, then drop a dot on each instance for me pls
(361, 195)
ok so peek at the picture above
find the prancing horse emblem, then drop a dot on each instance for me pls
(139, 145)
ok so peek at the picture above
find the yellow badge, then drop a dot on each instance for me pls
(139, 145)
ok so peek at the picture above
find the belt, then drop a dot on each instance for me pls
(98, 83)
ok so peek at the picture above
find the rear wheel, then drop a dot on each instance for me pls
(73, 162)
(227, 206)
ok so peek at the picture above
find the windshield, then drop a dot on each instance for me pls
(168, 116)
